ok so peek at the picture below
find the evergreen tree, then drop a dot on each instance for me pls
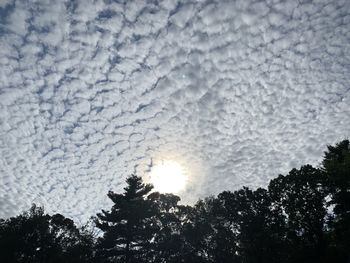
(302, 217)
(129, 226)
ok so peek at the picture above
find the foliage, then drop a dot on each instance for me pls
(303, 216)
(336, 166)
(35, 236)
(130, 225)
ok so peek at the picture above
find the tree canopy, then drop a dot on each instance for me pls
(303, 216)
(34, 236)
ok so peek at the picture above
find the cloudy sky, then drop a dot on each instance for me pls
(235, 91)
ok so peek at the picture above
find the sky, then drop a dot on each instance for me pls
(236, 92)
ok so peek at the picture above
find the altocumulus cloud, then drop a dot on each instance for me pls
(236, 91)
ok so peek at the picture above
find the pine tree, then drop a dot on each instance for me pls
(129, 226)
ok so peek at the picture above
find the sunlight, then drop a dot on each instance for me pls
(168, 177)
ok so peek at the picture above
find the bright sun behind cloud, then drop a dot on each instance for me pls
(168, 177)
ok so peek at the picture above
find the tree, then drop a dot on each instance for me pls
(129, 226)
(336, 165)
(224, 242)
(38, 237)
(169, 244)
(304, 216)
(199, 232)
(301, 195)
(255, 223)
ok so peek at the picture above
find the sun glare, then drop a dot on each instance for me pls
(168, 177)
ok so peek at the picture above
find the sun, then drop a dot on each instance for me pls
(168, 177)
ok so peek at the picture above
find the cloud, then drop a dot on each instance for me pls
(235, 91)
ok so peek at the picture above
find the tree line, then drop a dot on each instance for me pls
(302, 217)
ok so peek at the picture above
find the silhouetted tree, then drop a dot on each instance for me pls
(256, 224)
(199, 232)
(129, 226)
(207, 234)
(302, 197)
(38, 237)
(169, 244)
(336, 165)
(223, 246)
(303, 217)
